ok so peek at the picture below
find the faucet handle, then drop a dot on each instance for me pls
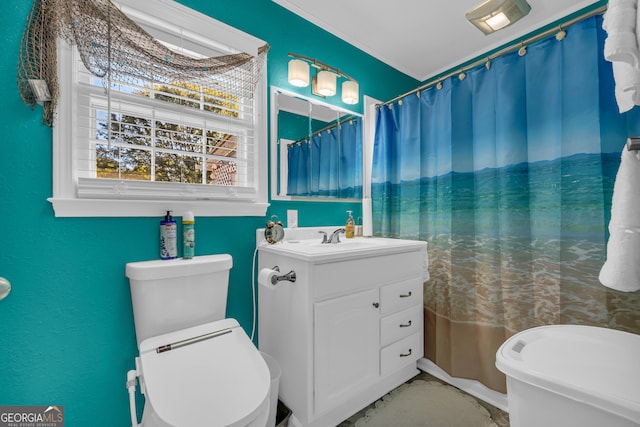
(324, 237)
(336, 234)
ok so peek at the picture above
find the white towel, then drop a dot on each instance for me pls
(621, 271)
(627, 88)
(622, 48)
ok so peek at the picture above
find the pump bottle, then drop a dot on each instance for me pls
(350, 226)
(168, 237)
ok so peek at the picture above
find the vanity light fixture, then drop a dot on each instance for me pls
(298, 73)
(350, 91)
(324, 82)
(493, 15)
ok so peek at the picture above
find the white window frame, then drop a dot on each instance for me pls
(159, 18)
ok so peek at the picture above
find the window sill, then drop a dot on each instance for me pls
(63, 207)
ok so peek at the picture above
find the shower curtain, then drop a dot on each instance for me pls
(328, 164)
(507, 172)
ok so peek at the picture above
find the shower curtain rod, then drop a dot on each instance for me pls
(319, 131)
(511, 48)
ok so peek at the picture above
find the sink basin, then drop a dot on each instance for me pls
(313, 246)
(347, 248)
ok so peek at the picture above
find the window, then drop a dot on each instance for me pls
(127, 146)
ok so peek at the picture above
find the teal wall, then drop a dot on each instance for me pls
(66, 329)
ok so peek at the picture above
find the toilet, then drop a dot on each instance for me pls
(196, 368)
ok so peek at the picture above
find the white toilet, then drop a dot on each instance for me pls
(196, 368)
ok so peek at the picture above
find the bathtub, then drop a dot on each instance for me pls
(569, 375)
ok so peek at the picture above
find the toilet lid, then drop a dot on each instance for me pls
(217, 380)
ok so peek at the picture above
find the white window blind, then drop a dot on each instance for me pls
(180, 145)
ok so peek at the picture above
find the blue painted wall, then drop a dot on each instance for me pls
(66, 329)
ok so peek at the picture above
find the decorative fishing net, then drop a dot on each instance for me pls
(114, 47)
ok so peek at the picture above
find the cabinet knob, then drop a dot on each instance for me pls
(376, 305)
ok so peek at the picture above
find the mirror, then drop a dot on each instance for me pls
(316, 149)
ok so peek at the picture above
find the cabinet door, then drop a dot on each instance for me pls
(346, 347)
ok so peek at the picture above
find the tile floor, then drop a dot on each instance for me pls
(498, 416)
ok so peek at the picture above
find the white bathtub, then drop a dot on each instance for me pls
(569, 375)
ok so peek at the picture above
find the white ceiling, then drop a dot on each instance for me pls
(421, 38)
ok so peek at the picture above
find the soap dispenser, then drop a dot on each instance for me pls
(168, 237)
(350, 226)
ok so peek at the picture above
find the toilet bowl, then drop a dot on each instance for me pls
(192, 385)
(194, 368)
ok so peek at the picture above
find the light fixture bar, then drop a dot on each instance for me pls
(321, 65)
(324, 83)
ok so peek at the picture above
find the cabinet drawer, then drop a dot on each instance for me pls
(401, 353)
(400, 325)
(400, 295)
(343, 277)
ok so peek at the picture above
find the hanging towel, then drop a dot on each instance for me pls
(621, 271)
(622, 48)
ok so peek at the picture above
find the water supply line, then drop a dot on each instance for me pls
(253, 292)
(131, 386)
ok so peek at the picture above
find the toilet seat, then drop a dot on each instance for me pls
(221, 381)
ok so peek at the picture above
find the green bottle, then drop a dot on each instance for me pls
(188, 235)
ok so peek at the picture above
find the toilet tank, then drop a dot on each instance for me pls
(170, 295)
(572, 376)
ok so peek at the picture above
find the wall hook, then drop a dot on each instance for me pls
(5, 288)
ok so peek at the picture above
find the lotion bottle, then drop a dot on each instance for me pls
(168, 237)
(188, 235)
(350, 226)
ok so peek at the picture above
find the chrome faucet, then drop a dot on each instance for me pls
(336, 234)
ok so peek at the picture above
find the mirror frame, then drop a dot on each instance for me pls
(273, 152)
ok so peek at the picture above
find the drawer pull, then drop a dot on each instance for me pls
(405, 325)
(405, 295)
(376, 305)
(406, 354)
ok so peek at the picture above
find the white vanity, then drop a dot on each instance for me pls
(350, 328)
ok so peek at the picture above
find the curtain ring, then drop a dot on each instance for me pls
(400, 102)
(439, 85)
(522, 51)
(561, 35)
(487, 64)
(462, 75)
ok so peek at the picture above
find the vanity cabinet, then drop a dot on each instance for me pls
(348, 331)
(346, 343)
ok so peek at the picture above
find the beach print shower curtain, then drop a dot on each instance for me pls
(329, 163)
(507, 172)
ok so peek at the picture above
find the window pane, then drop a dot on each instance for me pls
(122, 163)
(222, 144)
(221, 172)
(178, 168)
(125, 129)
(177, 137)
